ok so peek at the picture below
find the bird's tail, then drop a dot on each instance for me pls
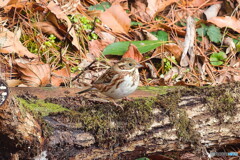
(86, 90)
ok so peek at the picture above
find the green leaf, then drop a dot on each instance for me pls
(119, 48)
(101, 6)
(214, 34)
(203, 30)
(238, 46)
(218, 59)
(133, 23)
(143, 158)
(161, 35)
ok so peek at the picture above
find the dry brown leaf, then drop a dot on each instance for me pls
(4, 3)
(48, 28)
(116, 18)
(174, 49)
(139, 8)
(227, 21)
(212, 11)
(96, 47)
(188, 55)
(34, 75)
(133, 53)
(9, 43)
(156, 6)
(60, 76)
(55, 9)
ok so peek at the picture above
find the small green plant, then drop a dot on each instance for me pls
(51, 42)
(84, 24)
(212, 32)
(168, 63)
(218, 59)
(161, 35)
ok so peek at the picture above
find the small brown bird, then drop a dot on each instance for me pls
(118, 81)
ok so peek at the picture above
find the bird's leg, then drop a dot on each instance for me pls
(117, 105)
(127, 99)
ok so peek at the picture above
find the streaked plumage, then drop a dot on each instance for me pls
(118, 81)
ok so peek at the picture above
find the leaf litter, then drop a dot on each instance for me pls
(178, 42)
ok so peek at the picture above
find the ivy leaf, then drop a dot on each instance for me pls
(214, 34)
(119, 48)
(218, 59)
(101, 6)
(161, 35)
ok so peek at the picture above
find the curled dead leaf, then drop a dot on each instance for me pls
(34, 75)
(156, 6)
(133, 53)
(58, 12)
(60, 76)
(212, 11)
(48, 28)
(9, 43)
(226, 21)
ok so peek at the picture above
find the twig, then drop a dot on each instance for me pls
(86, 68)
(64, 39)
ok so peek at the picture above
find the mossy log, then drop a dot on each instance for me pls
(161, 119)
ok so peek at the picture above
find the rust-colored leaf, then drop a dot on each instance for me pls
(227, 21)
(34, 75)
(156, 6)
(4, 3)
(133, 53)
(116, 18)
(9, 43)
(48, 28)
(60, 76)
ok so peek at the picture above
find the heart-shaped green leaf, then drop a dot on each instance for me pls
(119, 48)
(218, 59)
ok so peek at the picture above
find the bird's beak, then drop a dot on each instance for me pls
(139, 66)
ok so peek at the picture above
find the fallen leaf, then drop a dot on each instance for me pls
(116, 18)
(212, 11)
(4, 3)
(34, 75)
(9, 43)
(48, 28)
(188, 50)
(156, 6)
(13, 82)
(58, 12)
(139, 8)
(152, 69)
(227, 21)
(174, 49)
(60, 76)
(97, 46)
(133, 53)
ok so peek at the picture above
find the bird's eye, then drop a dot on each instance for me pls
(130, 64)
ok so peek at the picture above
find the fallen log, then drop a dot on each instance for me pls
(62, 125)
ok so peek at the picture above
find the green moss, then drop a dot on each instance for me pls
(110, 124)
(223, 103)
(39, 106)
(160, 89)
(178, 117)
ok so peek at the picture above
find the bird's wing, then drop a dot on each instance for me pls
(106, 77)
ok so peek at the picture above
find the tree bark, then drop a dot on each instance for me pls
(67, 126)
